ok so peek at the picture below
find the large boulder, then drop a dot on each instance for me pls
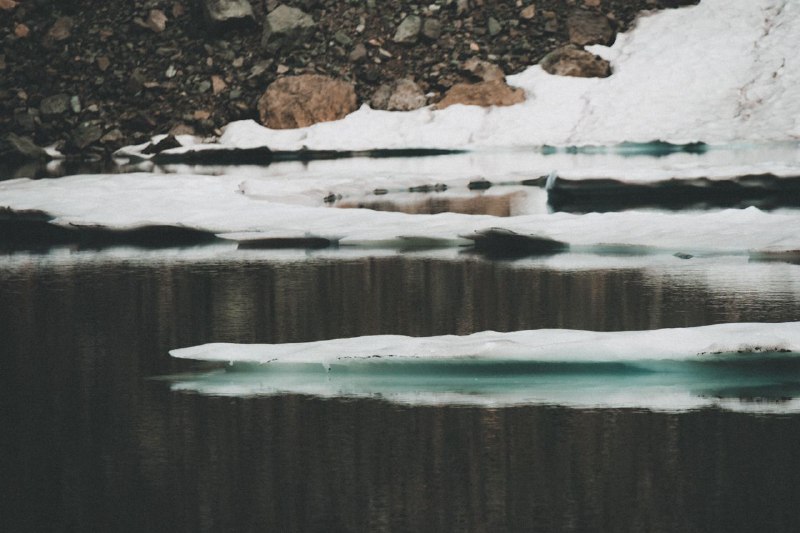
(220, 13)
(299, 101)
(286, 26)
(485, 93)
(589, 27)
(14, 149)
(571, 60)
(402, 95)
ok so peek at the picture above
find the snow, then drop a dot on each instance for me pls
(718, 72)
(217, 204)
(554, 345)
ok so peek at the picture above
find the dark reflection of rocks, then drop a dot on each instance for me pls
(89, 444)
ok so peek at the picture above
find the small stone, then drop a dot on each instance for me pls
(203, 86)
(8, 5)
(238, 62)
(61, 29)
(21, 31)
(359, 53)
(380, 98)
(486, 93)
(178, 10)
(573, 61)
(474, 47)
(408, 30)
(281, 69)
(54, 105)
(75, 104)
(87, 133)
(528, 13)
(156, 20)
(220, 13)
(483, 70)
(201, 114)
(432, 29)
(103, 63)
(494, 26)
(235, 93)
(171, 71)
(112, 136)
(218, 84)
(285, 28)
(181, 129)
(406, 96)
(342, 38)
(591, 3)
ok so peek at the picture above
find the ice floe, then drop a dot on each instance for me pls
(563, 346)
(746, 367)
(216, 204)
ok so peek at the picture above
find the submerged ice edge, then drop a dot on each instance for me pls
(546, 345)
(664, 397)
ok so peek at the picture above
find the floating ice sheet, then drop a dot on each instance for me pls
(748, 367)
(216, 204)
(706, 343)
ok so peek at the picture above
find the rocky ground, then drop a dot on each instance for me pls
(93, 75)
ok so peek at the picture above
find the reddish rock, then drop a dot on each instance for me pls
(573, 61)
(300, 101)
(484, 94)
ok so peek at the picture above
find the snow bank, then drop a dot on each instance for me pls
(721, 71)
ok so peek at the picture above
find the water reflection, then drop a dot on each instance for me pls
(90, 443)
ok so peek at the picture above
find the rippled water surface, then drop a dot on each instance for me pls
(91, 442)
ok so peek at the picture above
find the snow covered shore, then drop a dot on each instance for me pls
(721, 71)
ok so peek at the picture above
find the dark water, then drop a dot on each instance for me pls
(89, 443)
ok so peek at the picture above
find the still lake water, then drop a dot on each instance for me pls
(91, 443)
(99, 436)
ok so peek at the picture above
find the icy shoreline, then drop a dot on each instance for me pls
(718, 72)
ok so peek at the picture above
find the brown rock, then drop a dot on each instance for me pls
(21, 30)
(218, 84)
(529, 12)
(156, 20)
(573, 61)
(407, 96)
(7, 5)
(103, 63)
(299, 101)
(61, 29)
(484, 94)
(588, 27)
(483, 70)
